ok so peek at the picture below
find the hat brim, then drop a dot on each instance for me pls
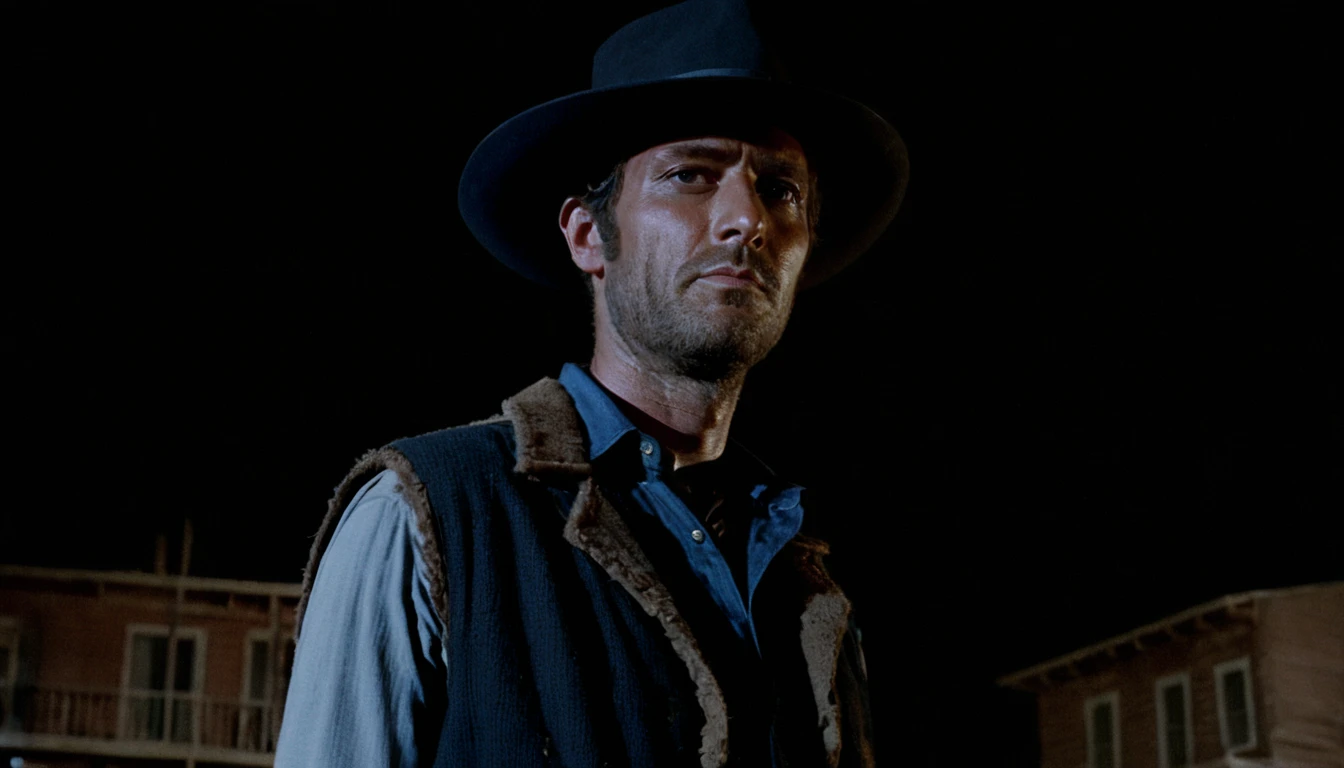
(516, 180)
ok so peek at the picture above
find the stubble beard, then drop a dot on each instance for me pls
(688, 338)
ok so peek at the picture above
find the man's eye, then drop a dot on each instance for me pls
(775, 189)
(691, 176)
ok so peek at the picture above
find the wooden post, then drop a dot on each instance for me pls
(161, 555)
(270, 732)
(186, 546)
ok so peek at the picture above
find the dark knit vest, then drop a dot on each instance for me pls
(566, 647)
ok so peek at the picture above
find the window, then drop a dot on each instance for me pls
(257, 717)
(9, 665)
(1175, 733)
(1236, 707)
(161, 683)
(1102, 714)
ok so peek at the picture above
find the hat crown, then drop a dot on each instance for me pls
(698, 38)
(701, 67)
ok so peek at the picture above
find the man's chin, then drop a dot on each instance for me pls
(737, 305)
(729, 341)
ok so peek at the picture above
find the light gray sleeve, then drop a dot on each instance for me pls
(369, 670)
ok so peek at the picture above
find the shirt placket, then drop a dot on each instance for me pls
(702, 553)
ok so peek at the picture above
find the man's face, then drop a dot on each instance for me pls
(713, 233)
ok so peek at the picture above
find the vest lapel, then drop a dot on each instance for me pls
(550, 440)
(597, 529)
(825, 619)
(548, 431)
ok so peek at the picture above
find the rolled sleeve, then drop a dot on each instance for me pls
(369, 670)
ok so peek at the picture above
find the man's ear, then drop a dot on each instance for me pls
(585, 242)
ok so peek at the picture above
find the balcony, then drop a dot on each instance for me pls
(162, 725)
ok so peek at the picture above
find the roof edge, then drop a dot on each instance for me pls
(134, 578)
(1241, 603)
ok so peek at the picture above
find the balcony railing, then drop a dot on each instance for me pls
(160, 722)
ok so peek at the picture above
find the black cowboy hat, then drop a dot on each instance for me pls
(697, 68)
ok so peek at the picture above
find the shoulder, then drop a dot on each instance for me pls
(376, 519)
(539, 432)
(381, 492)
(387, 486)
(490, 441)
(370, 615)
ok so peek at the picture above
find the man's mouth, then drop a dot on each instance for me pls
(732, 277)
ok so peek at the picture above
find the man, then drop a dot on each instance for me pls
(598, 576)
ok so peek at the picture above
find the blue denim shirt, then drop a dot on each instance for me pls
(366, 688)
(778, 519)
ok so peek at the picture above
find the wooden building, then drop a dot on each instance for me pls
(1254, 679)
(105, 669)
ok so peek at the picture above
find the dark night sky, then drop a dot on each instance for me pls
(1089, 377)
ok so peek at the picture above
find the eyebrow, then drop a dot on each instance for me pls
(699, 151)
(780, 166)
(769, 163)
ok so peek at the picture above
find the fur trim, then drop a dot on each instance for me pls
(824, 621)
(413, 491)
(548, 431)
(597, 529)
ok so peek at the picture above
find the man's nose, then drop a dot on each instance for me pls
(739, 214)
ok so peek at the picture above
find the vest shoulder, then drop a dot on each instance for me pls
(482, 439)
(486, 429)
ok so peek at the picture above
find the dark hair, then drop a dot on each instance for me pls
(600, 201)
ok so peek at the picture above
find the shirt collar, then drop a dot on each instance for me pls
(606, 425)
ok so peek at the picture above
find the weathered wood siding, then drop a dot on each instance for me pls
(1060, 709)
(1300, 660)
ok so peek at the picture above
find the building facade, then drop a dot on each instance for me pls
(1248, 680)
(127, 669)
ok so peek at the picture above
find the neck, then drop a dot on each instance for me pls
(687, 416)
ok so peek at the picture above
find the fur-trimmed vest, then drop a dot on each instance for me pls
(565, 646)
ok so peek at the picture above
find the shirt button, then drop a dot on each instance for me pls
(698, 536)
(646, 447)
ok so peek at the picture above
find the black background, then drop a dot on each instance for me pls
(1088, 378)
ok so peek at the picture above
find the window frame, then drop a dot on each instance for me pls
(196, 635)
(264, 635)
(1243, 665)
(254, 635)
(1111, 698)
(1160, 700)
(264, 711)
